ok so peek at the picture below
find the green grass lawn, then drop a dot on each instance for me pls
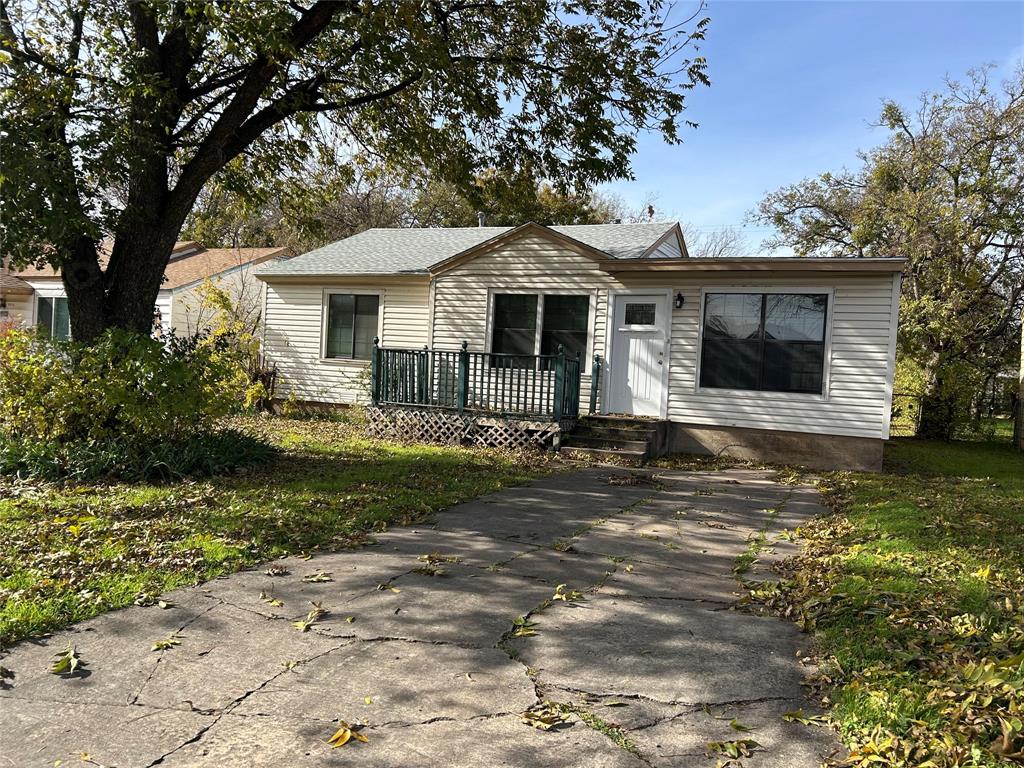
(914, 590)
(68, 552)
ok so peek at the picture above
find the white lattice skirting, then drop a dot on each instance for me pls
(426, 425)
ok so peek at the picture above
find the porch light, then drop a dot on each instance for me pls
(678, 302)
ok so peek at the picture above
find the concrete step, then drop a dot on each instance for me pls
(605, 454)
(621, 422)
(615, 433)
(574, 440)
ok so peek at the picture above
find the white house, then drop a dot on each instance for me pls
(785, 359)
(35, 296)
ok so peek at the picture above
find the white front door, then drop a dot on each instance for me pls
(639, 354)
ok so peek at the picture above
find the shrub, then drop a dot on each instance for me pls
(127, 406)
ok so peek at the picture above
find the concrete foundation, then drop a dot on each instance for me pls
(801, 448)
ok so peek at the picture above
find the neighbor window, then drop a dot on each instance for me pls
(564, 320)
(351, 325)
(53, 318)
(771, 342)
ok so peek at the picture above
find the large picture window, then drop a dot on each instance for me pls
(564, 319)
(53, 318)
(771, 342)
(351, 325)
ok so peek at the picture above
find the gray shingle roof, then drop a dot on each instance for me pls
(412, 251)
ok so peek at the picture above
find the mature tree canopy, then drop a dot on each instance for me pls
(946, 191)
(114, 115)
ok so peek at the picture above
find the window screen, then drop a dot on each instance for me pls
(351, 325)
(515, 327)
(566, 319)
(772, 342)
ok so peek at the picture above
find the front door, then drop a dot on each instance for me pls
(638, 359)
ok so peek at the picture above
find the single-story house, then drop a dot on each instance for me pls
(779, 358)
(35, 295)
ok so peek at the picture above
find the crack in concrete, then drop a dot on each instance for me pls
(233, 704)
(689, 705)
(156, 665)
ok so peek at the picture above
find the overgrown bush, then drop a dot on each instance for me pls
(128, 406)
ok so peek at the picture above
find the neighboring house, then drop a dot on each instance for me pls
(15, 297)
(179, 306)
(786, 359)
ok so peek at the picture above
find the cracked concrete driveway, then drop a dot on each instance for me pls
(421, 649)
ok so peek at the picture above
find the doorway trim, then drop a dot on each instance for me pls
(609, 341)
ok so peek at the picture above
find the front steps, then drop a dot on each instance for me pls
(618, 438)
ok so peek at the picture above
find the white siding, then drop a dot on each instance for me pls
(855, 402)
(19, 309)
(189, 313)
(163, 306)
(294, 329)
(667, 250)
(862, 312)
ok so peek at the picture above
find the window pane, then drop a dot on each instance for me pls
(340, 320)
(640, 314)
(730, 363)
(366, 326)
(785, 353)
(793, 366)
(515, 325)
(566, 320)
(351, 325)
(733, 315)
(795, 317)
(61, 318)
(44, 315)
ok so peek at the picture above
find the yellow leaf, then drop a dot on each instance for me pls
(344, 735)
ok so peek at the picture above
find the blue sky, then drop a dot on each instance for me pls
(794, 87)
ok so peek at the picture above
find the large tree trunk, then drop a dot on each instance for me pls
(123, 295)
(938, 408)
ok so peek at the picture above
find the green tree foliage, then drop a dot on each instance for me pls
(116, 115)
(946, 191)
(507, 200)
(128, 405)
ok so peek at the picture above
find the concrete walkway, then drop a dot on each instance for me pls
(425, 655)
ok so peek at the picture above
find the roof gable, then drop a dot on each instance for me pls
(523, 230)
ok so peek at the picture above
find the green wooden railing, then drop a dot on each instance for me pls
(524, 386)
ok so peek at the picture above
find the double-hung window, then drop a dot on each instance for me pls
(351, 325)
(528, 324)
(773, 342)
(52, 316)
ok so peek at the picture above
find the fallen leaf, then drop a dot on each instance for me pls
(567, 596)
(167, 643)
(344, 735)
(276, 570)
(798, 716)
(544, 716)
(67, 661)
(317, 578)
(736, 725)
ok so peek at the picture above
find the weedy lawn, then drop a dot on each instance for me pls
(70, 552)
(914, 589)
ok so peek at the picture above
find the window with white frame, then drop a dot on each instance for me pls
(53, 317)
(773, 342)
(530, 324)
(351, 325)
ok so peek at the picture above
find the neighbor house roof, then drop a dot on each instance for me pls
(414, 251)
(189, 263)
(11, 285)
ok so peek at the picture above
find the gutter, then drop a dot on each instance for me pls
(754, 264)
